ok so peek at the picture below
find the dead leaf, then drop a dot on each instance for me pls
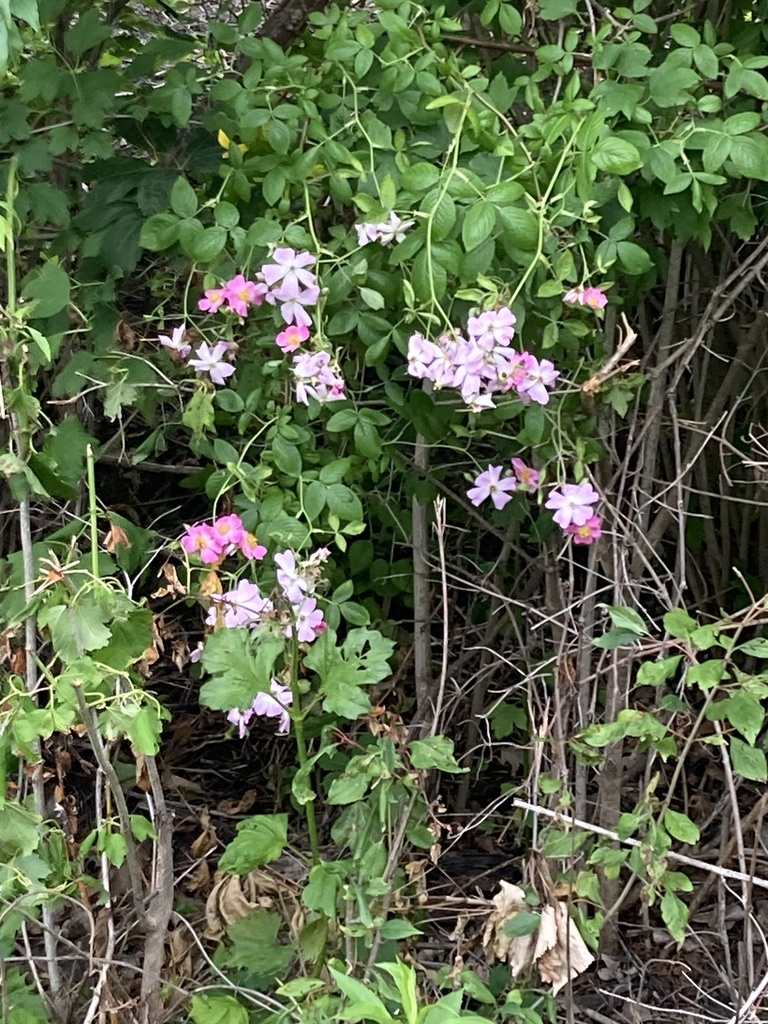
(116, 535)
(555, 948)
(180, 944)
(125, 337)
(174, 586)
(211, 584)
(241, 806)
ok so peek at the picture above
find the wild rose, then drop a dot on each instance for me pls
(490, 484)
(527, 477)
(291, 338)
(176, 342)
(294, 585)
(240, 294)
(211, 361)
(309, 621)
(588, 532)
(292, 307)
(244, 606)
(213, 300)
(386, 232)
(289, 272)
(251, 548)
(229, 531)
(316, 377)
(572, 503)
(494, 327)
(540, 375)
(274, 704)
(595, 298)
(201, 540)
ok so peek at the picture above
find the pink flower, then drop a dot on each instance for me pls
(385, 232)
(176, 342)
(289, 270)
(587, 533)
(251, 548)
(290, 578)
(540, 375)
(573, 503)
(292, 306)
(317, 378)
(594, 298)
(581, 296)
(229, 531)
(494, 327)
(211, 361)
(527, 478)
(271, 705)
(244, 606)
(214, 298)
(201, 540)
(240, 294)
(490, 484)
(291, 338)
(309, 621)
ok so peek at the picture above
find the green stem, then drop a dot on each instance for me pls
(10, 251)
(301, 744)
(94, 512)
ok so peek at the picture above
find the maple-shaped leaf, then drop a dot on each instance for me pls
(362, 660)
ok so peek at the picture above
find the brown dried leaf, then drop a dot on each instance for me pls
(174, 586)
(508, 902)
(566, 949)
(226, 904)
(241, 806)
(180, 945)
(116, 535)
(211, 584)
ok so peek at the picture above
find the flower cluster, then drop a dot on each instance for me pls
(497, 485)
(574, 511)
(287, 281)
(215, 361)
(317, 376)
(592, 297)
(298, 581)
(274, 704)
(213, 542)
(386, 232)
(482, 364)
(573, 504)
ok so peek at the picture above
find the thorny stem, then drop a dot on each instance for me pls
(20, 431)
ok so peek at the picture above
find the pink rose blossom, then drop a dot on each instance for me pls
(573, 503)
(274, 704)
(213, 300)
(527, 477)
(240, 294)
(309, 621)
(251, 548)
(289, 271)
(587, 533)
(176, 342)
(201, 540)
(291, 338)
(229, 531)
(540, 375)
(211, 361)
(594, 298)
(490, 484)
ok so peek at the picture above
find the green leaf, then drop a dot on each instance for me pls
(361, 661)
(670, 85)
(744, 712)
(626, 618)
(679, 623)
(78, 627)
(159, 232)
(479, 223)
(287, 457)
(757, 648)
(748, 761)
(706, 674)
(217, 1009)
(208, 244)
(749, 155)
(259, 840)
(237, 674)
(435, 752)
(524, 922)
(681, 827)
(322, 889)
(616, 156)
(48, 288)
(653, 673)
(740, 124)
(633, 258)
(684, 35)
(183, 198)
(616, 638)
(675, 915)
